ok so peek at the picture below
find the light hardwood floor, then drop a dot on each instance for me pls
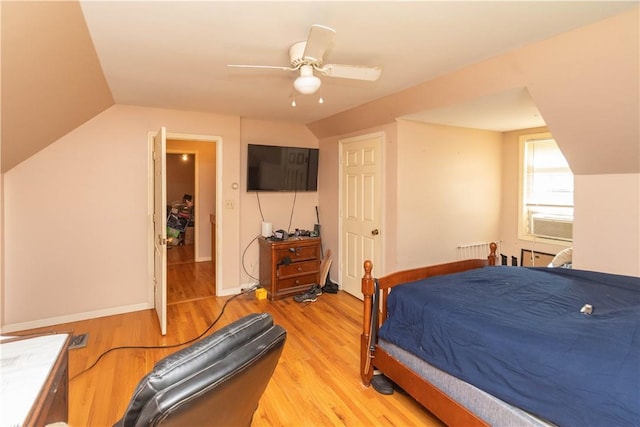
(316, 382)
(180, 254)
(188, 280)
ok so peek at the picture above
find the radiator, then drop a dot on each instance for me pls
(476, 250)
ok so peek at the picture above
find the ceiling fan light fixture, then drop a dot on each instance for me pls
(307, 85)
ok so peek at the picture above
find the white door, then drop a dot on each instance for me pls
(160, 227)
(360, 208)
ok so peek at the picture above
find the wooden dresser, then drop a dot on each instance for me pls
(289, 267)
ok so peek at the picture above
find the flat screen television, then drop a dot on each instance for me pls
(275, 168)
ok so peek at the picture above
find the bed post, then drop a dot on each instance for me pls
(493, 247)
(366, 368)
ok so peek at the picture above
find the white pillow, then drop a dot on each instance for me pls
(563, 257)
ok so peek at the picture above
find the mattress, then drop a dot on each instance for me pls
(519, 335)
(486, 407)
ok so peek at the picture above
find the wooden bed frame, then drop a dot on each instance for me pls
(438, 403)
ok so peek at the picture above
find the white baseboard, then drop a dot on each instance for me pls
(230, 291)
(15, 327)
(236, 290)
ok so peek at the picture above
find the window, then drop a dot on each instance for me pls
(546, 191)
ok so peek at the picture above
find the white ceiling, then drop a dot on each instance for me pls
(173, 54)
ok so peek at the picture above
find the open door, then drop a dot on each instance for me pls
(160, 227)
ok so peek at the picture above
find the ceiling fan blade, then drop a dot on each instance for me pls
(317, 42)
(262, 66)
(356, 72)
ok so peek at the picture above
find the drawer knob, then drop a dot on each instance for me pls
(299, 268)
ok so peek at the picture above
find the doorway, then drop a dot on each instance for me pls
(206, 184)
(190, 190)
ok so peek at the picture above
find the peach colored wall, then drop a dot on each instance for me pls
(277, 208)
(205, 193)
(77, 218)
(448, 191)
(585, 83)
(52, 80)
(607, 226)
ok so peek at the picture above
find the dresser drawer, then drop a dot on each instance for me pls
(292, 282)
(297, 269)
(300, 253)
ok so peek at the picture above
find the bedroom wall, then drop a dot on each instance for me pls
(77, 222)
(607, 225)
(284, 210)
(448, 191)
(586, 86)
(67, 91)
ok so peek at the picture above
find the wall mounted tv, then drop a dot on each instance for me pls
(274, 168)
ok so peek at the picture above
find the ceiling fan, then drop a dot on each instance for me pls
(306, 56)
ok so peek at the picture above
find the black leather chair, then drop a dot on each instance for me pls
(216, 381)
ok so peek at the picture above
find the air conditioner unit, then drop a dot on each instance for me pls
(551, 227)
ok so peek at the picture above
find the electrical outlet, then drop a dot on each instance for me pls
(228, 204)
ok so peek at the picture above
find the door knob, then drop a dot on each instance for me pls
(375, 232)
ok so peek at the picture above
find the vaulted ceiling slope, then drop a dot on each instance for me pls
(52, 81)
(63, 62)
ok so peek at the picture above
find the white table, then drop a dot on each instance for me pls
(34, 380)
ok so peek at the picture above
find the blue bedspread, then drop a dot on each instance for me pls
(518, 334)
